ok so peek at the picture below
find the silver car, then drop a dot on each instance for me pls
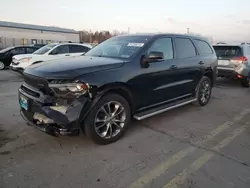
(234, 61)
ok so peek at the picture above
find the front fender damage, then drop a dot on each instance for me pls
(62, 116)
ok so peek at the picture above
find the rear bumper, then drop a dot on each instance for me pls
(47, 115)
(232, 73)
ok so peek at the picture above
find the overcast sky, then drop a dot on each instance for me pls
(222, 19)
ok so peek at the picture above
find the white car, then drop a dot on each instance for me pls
(49, 52)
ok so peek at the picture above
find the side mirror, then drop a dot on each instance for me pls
(155, 57)
(152, 57)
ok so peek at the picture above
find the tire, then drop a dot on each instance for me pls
(97, 118)
(2, 65)
(200, 93)
(245, 82)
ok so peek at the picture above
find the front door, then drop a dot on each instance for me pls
(154, 85)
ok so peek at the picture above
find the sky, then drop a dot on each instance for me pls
(224, 20)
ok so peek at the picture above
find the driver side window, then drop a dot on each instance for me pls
(163, 45)
(63, 49)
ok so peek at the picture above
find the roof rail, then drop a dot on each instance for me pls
(245, 43)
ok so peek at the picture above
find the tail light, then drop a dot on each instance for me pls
(241, 59)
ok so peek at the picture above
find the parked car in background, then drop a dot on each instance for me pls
(123, 77)
(233, 61)
(48, 52)
(38, 45)
(7, 54)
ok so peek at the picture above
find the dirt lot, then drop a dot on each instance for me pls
(189, 147)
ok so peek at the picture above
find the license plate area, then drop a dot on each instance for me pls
(23, 101)
(223, 62)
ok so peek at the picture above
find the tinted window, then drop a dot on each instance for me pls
(203, 47)
(184, 48)
(18, 51)
(30, 50)
(78, 49)
(163, 45)
(63, 49)
(228, 51)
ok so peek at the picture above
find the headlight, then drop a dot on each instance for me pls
(25, 60)
(76, 88)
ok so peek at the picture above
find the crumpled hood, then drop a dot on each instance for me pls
(72, 67)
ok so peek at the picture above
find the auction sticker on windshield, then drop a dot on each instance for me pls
(136, 44)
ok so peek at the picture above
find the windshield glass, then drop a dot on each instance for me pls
(5, 49)
(119, 47)
(228, 51)
(44, 49)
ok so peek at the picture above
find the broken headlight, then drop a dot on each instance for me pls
(77, 88)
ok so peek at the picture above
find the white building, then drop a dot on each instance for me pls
(12, 34)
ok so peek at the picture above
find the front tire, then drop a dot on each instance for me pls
(2, 65)
(204, 91)
(108, 119)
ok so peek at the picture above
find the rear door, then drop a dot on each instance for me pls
(190, 66)
(77, 50)
(228, 56)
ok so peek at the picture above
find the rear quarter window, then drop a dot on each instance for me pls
(203, 47)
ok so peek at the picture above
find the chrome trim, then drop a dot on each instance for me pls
(163, 110)
(173, 84)
(143, 108)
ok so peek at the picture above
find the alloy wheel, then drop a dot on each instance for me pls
(110, 120)
(2, 65)
(205, 91)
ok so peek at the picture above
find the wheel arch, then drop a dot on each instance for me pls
(209, 73)
(120, 89)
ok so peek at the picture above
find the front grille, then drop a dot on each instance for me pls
(30, 92)
(37, 82)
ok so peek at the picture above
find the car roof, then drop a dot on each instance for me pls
(74, 43)
(166, 34)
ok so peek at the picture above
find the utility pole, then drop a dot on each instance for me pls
(187, 30)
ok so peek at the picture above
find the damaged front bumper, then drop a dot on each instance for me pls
(52, 114)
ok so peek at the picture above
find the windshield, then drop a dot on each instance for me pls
(6, 49)
(228, 51)
(119, 47)
(44, 49)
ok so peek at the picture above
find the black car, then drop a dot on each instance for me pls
(7, 54)
(126, 76)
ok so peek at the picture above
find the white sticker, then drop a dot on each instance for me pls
(136, 44)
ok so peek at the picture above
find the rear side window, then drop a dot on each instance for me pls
(184, 48)
(228, 51)
(78, 49)
(203, 47)
(30, 50)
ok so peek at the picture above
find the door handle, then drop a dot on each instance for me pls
(173, 67)
(201, 63)
(67, 55)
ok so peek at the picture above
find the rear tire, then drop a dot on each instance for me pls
(245, 82)
(204, 91)
(2, 65)
(108, 119)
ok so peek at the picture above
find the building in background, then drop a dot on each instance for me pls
(12, 34)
